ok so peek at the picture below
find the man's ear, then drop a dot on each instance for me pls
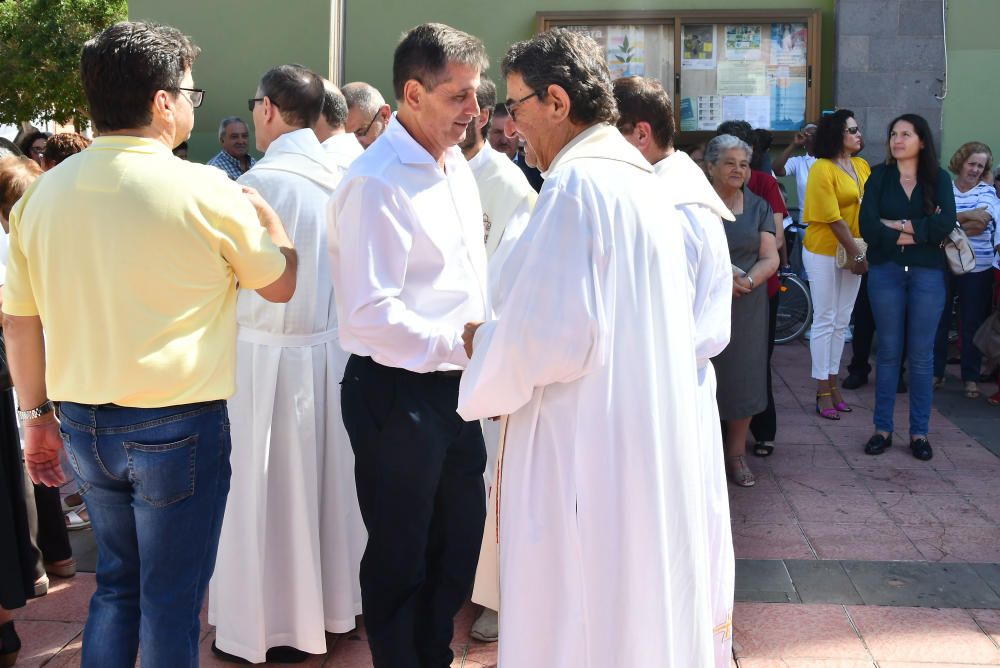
(559, 99)
(483, 119)
(413, 93)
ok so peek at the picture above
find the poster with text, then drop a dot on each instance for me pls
(743, 42)
(709, 111)
(742, 78)
(788, 100)
(698, 47)
(688, 120)
(788, 44)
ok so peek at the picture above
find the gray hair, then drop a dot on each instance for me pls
(226, 122)
(722, 143)
(363, 96)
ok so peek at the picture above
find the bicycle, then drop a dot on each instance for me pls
(794, 307)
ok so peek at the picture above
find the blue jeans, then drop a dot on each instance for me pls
(155, 481)
(914, 295)
(975, 302)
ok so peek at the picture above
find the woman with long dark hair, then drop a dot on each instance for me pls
(908, 210)
(833, 200)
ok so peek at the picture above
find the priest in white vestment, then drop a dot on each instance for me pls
(646, 120)
(341, 146)
(292, 536)
(602, 519)
(507, 200)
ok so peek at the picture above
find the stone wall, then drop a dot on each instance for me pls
(890, 60)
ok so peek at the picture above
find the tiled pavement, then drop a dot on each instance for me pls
(845, 560)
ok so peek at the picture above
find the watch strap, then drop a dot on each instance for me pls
(38, 412)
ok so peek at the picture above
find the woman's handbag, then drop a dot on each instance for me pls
(958, 251)
(843, 262)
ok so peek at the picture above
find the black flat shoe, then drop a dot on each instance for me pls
(921, 449)
(10, 645)
(878, 444)
(286, 654)
(853, 382)
(227, 657)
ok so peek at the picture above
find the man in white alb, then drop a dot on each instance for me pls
(409, 266)
(292, 537)
(646, 120)
(342, 146)
(367, 112)
(602, 520)
(507, 200)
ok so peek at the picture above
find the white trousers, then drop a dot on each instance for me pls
(833, 293)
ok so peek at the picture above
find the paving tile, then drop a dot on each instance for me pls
(68, 656)
(799, 434)
(66, 601)
(931, 510)
(969, 454)
(805, 663)
(805, 457)
(770, 541)
(988, 505)
(943, 543)
(988, 621)
(935, 664)
(973, 483)
(760, 508)
(859, 541)
(922, 634)
(827, 481)
(777, 631)
(822, 582)
(920, 585)
(41, 641)
(915, 481)
(990, 573)
(853, 508)
(764, 581)
(350, 652)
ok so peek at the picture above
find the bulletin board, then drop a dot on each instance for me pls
(761, 66)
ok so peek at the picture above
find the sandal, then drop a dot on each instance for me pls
(75, 521)
(762, 449)
(70, 503)
(971, 390)
(828, 413)
(741, 473)
(841, 405)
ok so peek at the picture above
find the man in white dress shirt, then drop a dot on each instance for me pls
(646, 120)
(342, 146)
(507, 200)
(292, 536)
(602, 521)
(409, 266)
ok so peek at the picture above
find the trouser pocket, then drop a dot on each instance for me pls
(163, 473)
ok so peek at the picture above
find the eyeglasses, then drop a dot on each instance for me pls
(252, 102)
(196, 97)
(359, 133)
(853, 130)
(511, 105)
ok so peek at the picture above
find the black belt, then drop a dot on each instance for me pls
(454, 372)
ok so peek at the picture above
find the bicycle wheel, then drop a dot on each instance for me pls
(794, 309)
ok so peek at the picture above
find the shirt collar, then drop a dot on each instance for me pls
(412, 153)
(129, 143)
(481, 158)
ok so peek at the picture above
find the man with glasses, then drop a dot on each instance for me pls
(601, 519)
(409, 267)
(127, 259)
(233, 159)
(367, 113)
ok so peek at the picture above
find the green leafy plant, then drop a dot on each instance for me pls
(40, 42)
(625, 55)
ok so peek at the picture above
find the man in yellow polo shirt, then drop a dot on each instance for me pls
(127, 259)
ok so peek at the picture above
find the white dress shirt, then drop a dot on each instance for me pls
(343, 149)
(407, 255)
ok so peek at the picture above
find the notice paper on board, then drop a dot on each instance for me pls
(741, 78)
(754, 109)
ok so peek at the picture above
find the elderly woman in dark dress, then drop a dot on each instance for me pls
(742, 367)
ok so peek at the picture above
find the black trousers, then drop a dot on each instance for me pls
(419, 473)
(764, 425)
(17, 558)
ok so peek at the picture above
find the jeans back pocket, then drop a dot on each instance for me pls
(163, 473)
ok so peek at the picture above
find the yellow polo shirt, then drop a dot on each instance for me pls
(831, 195)
(131, 258)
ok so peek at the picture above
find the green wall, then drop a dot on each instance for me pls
(240, 40)
(970, 110)
(372, 35)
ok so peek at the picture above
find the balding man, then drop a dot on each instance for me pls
(233, 159)
(603, 515)
(342, 146)
(367, 112)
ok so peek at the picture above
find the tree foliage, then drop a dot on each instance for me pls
(40, 43)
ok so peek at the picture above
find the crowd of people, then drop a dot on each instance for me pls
(310, 385)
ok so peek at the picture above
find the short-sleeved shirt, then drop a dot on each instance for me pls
(131, 257)
(831, 195)
(981, 196)
(799, 166)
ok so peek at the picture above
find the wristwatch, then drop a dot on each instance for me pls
(47, 407)
(859, 258)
